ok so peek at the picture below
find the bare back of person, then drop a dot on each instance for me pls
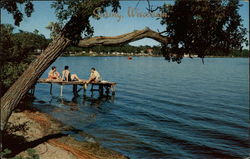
(66, 75)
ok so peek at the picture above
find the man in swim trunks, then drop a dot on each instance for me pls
(94, 76)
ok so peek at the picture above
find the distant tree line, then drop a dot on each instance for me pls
(121, 49)
(143, 49)
(238, 53)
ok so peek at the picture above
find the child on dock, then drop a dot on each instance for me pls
(66, 76)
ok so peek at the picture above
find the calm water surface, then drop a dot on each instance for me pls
(161, 109)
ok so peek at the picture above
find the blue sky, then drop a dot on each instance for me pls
(110, 26)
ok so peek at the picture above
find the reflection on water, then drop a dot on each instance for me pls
(73, 104)
(76, 101)
(99, 101)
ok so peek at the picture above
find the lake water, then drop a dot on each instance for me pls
(161, 109)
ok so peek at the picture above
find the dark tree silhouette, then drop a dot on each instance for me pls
(203, 27)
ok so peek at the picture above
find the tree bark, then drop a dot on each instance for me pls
(124, 38)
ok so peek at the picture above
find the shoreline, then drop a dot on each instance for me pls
(110, 55)
(39, 131)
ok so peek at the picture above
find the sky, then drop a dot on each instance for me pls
(106, 26)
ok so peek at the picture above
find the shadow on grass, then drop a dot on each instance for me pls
(17, 143)
(10, 138)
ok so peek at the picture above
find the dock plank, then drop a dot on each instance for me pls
(82, 82)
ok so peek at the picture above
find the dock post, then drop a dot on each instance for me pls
(75, 90)
(101, 89)
(50, 89)
(92, 87)
(107, 89)
(113, 89)
(61, 92)
(85, 86)
(92, 90)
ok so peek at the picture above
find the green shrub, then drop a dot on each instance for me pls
(17, 51)
(31, 154)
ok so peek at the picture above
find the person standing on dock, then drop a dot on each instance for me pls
(66, 76)
(94, 76)
(53, 74)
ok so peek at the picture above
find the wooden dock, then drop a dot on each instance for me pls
(108, 86)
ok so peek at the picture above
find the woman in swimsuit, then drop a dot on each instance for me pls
(53, 74)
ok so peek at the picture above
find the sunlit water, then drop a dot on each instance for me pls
(161, 109)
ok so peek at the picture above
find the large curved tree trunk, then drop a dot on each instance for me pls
(13, 96)
(124, 38)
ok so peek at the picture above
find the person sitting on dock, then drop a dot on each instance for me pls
(94, 76)
(53, 74)
(66, 76)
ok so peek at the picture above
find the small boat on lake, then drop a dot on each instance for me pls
(129, 58)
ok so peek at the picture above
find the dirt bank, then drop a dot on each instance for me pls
(39, 131)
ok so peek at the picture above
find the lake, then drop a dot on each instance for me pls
(161, 109)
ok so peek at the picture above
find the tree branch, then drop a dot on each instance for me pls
(124, 38)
